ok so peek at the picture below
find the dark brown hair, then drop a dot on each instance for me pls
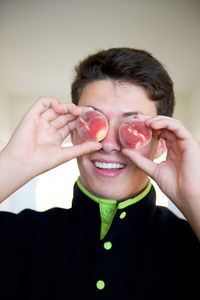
(127, 65)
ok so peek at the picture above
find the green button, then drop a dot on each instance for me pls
(122, 215)
(107, 245)
(100, 284)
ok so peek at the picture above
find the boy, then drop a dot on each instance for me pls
(114, 243)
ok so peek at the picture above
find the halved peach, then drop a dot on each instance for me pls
(133, 133)
(92, 126)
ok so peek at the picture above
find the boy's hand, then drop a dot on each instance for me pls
(36, 145)
(178, 176)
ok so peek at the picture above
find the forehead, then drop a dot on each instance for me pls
(115, 97)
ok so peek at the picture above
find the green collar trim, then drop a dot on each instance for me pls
(137, 198)
(120, 205)
(108, 207)
(91, 196)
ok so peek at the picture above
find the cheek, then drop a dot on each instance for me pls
(83, 163)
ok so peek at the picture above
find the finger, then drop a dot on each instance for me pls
(43, 104)
(175, 126)
(63, 108)
(161, 117)
(67, 129)
(71, 152)
(142, 117)
(62, 120)
(49, 115)
(141, 162)
(168, 136)
(66, 111)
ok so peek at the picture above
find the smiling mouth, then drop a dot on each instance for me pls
(113, 166)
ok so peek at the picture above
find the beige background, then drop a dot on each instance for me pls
(41, 41)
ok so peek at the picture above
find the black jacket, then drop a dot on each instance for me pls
(57, 254)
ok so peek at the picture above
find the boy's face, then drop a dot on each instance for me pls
(116, 101)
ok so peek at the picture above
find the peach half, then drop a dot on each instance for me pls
(92, 126)
(134, 134)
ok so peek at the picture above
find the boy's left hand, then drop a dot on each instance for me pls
(179, 175)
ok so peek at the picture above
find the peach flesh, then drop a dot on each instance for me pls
(134, 134)
(92, 126)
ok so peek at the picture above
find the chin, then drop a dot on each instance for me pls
(107, 193)
(102, 190)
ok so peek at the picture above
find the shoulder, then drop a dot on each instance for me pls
(174, 229)
(30, 218)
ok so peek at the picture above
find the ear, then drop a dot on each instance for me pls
(161, 148)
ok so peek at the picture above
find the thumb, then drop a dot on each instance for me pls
(145, 164)
(71, 152)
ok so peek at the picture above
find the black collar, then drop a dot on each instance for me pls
(139, 214)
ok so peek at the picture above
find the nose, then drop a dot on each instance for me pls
(111, 142)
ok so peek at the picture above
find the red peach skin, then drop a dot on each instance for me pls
(134, 134)
(92, 126)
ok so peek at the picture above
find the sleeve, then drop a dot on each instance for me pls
(11, 253)
(22, 238)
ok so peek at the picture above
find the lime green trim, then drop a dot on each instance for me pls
(122, 204)
(108, 207)
(91, 196)
(139, 197)
(107, 212)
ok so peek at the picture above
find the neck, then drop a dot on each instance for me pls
(133, 198)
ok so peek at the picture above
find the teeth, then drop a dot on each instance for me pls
(108, 165)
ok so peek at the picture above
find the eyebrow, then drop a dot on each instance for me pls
(132, 113)
(126, 114)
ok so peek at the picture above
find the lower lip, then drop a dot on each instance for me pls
(107, 172)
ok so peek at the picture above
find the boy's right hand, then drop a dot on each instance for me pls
(36, 145)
